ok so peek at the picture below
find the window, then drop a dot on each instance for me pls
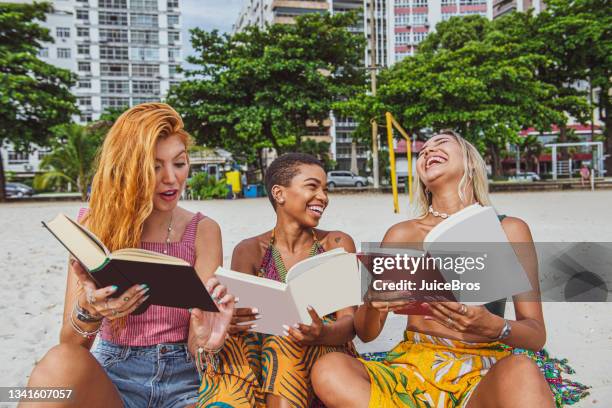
(175, 83)
(145, 70)
(447, 16)
(17, 157)
(418, 37)
(402, 3)
(173, 20)
(82, 31)
(173, 69)
(86, 118)
(119, 87)
(143, 20)
(82, 14)
(63, 53)
(149, 5)
(402, 19)
(112, 18)
(113, 35)
(114, 69)
(83, 49)
(118, 4)
(114, 102)
(43, 151)
(174, 54)
(84, 101)
(173, 4)
(84, 66)
(115, 53)
(174, 37)
(43, 53)
(402, 38)
(472, 2)
(145, 54)
(144, 37)
(84, 84)
(419, 3)
(141, 99)
(62, 32)
(419, 19)
(145, 87)
(449, 2)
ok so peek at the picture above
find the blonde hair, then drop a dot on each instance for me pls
(124, 183)
(474, 176)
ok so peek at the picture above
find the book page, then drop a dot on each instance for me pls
(269, 296)
(142, 255)
(312, 262)
(328, 287)
(77, 241)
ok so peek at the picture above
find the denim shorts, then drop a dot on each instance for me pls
(164, 375)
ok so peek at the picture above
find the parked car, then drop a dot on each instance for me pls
(344, 179)
(18, 190)
(528, 176)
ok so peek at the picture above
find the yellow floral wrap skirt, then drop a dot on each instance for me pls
(254, 364)
(429, 371)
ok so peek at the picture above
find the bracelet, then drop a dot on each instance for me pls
(84, 316)
(84, 333)
(505, 331)
(210, 365)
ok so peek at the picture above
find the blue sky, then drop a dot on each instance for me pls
(207, 15)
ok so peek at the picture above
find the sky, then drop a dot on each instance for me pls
(207, 15)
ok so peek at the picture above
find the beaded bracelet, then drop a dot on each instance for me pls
(84, 316)
(211, 361)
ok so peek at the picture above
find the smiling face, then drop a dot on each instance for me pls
(440, 160)
(171, 171)
(305, 198)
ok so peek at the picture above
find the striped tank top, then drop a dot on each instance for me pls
(158, 324)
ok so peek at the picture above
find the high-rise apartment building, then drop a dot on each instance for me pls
(501, 7)
(124, 52)
(414, 19)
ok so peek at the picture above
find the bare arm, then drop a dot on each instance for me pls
(209, 249)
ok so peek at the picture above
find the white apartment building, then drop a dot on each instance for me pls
(124, 52)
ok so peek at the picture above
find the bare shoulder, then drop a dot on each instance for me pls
(406, 231)
(336, 239)
(208, 226)
(516, 229)
(248, 253)
(248, 246)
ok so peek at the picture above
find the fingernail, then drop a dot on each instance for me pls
(145, 290)
(143, 286)
(144, 299)
(190, 310)
(310, 307)
(236, 299)
(427, 318)
(285, 334)
(253, 326)
(297, 326)
(255, 310)
(114, 288)
(285, 327)
(257, 317)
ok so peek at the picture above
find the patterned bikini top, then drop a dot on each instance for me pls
(272, 265)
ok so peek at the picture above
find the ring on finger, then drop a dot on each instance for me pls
(449, 321)
(463, 310)
(126, 299)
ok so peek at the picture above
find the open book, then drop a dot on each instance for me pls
(172, 281)
(465, 258)
(328, 282)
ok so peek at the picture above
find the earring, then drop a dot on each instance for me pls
(281, 201)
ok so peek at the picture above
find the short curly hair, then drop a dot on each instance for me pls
(284, 168)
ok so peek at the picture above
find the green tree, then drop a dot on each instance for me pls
(257, 88)
(71, 160)
(34, 96)
(470, 76)
(320, 150)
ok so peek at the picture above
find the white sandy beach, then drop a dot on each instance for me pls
(34, 272)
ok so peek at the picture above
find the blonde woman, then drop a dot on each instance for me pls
(455, 357)
(140, 360)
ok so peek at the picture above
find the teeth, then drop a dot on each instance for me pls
(316, 209)
(435, 159)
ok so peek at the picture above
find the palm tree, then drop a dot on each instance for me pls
(531, 147)
(71, 160)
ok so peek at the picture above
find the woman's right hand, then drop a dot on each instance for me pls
(243, 320)
(98, 302)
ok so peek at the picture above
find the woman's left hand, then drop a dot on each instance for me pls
(306, 335)
(466, 319)
(209, 329)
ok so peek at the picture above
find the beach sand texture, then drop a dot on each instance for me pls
(34, 271)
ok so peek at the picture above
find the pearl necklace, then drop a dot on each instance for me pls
(168, 235)
(437, 214)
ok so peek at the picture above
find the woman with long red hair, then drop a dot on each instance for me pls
(146, 359)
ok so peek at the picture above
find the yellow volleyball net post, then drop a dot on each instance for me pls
(392, 123)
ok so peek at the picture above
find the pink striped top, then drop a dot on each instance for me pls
(159, 324)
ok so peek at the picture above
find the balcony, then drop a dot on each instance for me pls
(300, 4)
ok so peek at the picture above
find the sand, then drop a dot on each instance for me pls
(34, 271)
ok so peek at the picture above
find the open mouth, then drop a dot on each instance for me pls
(434, 161)
(169, 195)
(317, 210)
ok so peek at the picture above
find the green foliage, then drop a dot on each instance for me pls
(205, 187)
(72, 158)
(257, 88)
(320, 150)
(34, 95)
